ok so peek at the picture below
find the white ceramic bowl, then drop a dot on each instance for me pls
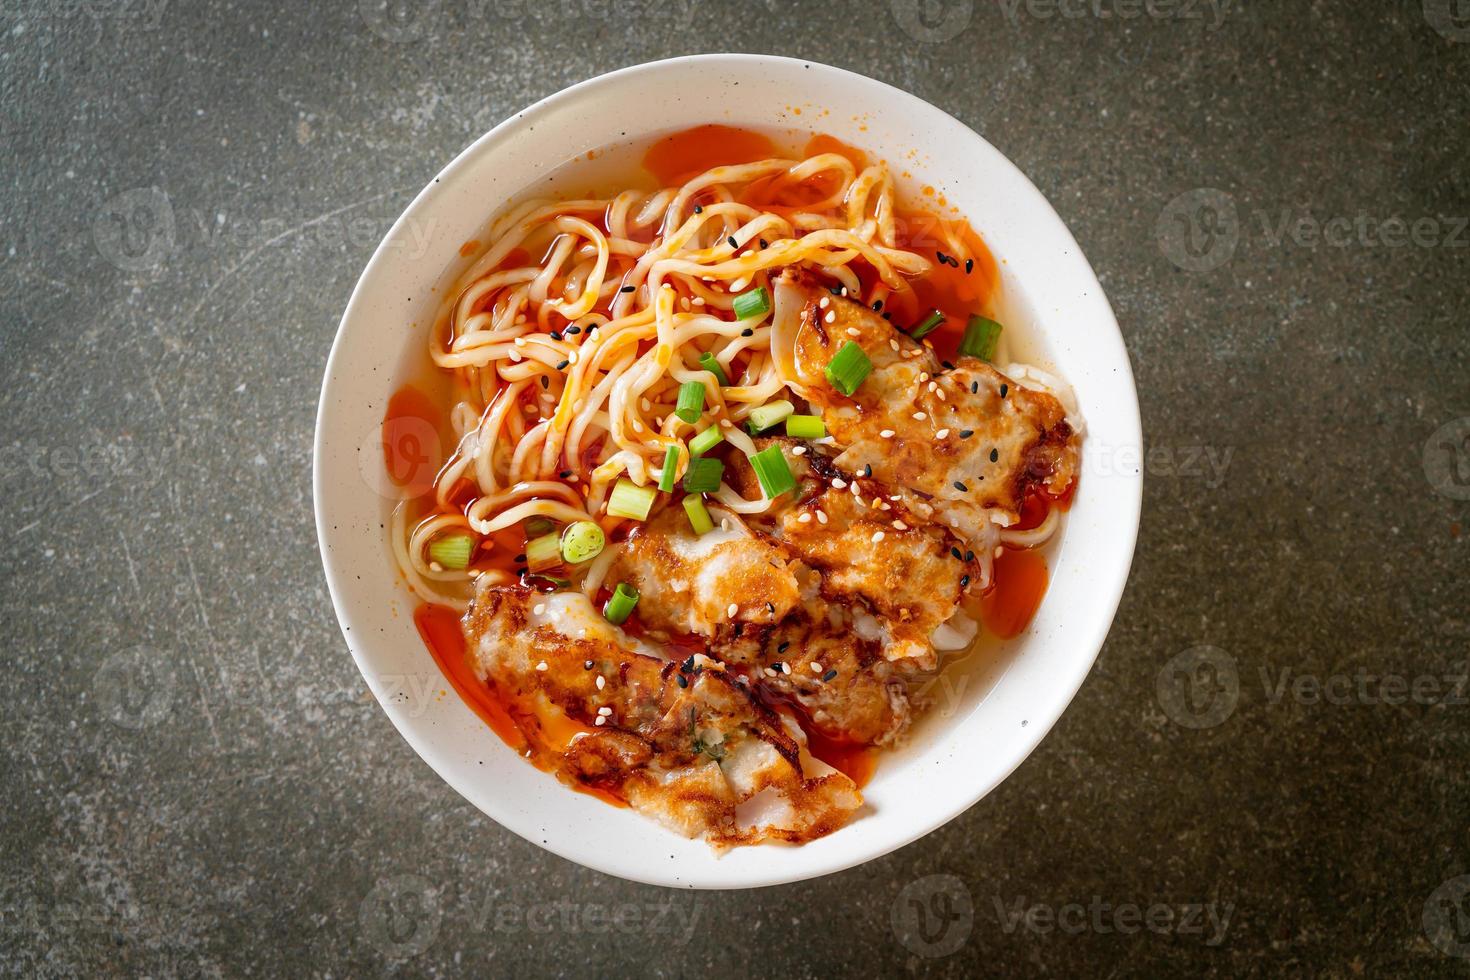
(982, 733)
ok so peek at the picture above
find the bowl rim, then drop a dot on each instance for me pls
(1125, 526)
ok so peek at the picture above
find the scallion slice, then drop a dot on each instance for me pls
(927, 325)
(848, 369)
(620, 605)
(755, 303)
(981, 337)
(705, 441)
(704, 475)
(691, 401)
(805, 427)
(537, 526)
(773, 472)
(708, 362)
(767, 415)
(543, 552)
(452, 550)
(630, 500)
(581, 541)
(671, 463)
(699, 518)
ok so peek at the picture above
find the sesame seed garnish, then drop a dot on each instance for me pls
(726, 424)
(961, 487)
(831, 316)
(923, 376)
(554, 335)
(804, 519)
(966, 433)
(877, 536)
(994, 455)
(798, 451)
(586, 665)
(868, 470)
(605, 711)
(731, 610)
(600, 720)
(940, 394)
(1003, 389)
(539, 608)
(886, 434)
(933, 386)
(821, 516)
(764, 243)
(956, 552)
(627, 289)
(698, 209)
(964, 581)
(893, 343)
(770, 672)
(969, 556)
(683, 681)
(854, 332)
(572, 357)
(946, 365)
(942, 434)
(601, 682)
(919, 416)
(637, 426)
(816, 667)
(877, 305)
(975, 387)
(520, 341)
(434, 566)
(839, 483)
(747, 332)
(824, 302)
(900, 526)
(541, 665)
(572, 331)
(829, 675)
(969, 266)
(645, 404)
(562, 365)
(733, 242)
(545, 381)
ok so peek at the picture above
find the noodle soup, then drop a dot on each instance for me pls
(742, 464)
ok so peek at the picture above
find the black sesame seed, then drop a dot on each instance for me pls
(733, 242)
(969, 556)
(956, 552)
(627, 289)
(688, 664)
(545, 381)
(969, 266)
(555, 336)
(964, 581)
(975, 387)
(562, 366)
(947, 366)
(943, 259)
(586, 665)
(698, 209)
(683, 681)
(877, 305)
(781, 647)
(747, 332)
(961, 487)
(868, 470)
(966, 433)
(564, 474)
(764, 243)
(829, 675)
(1004, 389)
(994, 455)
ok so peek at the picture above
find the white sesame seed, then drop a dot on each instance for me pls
(893, 343)
(515, 356)
(821, 517)
(896, 497)
(919, 416)
(572, 357)
(886, 434)
(541, 665)
(539, 608)
(804, 519)
(770, 672)
(599, 720)
(601, 682)
(605, 711)
(839, 483)
(831, 316)
(799, 451)
(933, 386)
(939, 394)
(942, 434)
(698, 301)
(434, 566)
(731, 610)
(739, 284)
(645, 404)
(900, 526)
(923, 377)
(854, 332)
(637, 426)
(816, 667)
(785, 667)
(520, 341)
(725, 424)
(824, 302)
(877, 536)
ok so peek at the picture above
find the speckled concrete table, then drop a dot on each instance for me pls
(1267, 769)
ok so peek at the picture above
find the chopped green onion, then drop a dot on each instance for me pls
(582, 541)
(671, 463)
(805, 427)
(537, 526)
(452, 550)
(691, 401)
(704, 475)
(543, 552)
(708, 362)
(927, 325)
(773, 472)
(699, 518)
(848, 369)
(755, 303)
(630, 500)
(768, 415)
(619, 607)
(981, 337)
(706, 440)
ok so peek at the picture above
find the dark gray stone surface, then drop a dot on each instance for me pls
(195, 780)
